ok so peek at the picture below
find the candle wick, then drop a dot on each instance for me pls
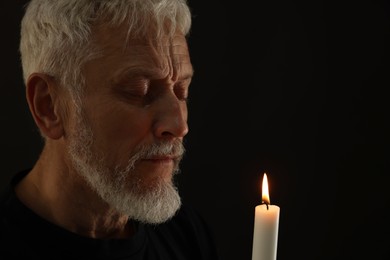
(266, 204)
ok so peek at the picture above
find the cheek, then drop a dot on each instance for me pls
(184, 108)
(120, 130)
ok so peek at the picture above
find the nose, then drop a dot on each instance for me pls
(171, 118)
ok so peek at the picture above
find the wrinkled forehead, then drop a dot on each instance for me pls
(164, 55)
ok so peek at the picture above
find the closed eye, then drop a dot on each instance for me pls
(181, 90)
(181, 93)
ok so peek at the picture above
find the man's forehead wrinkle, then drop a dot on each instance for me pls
(148, 57)
(183, 66)
(135, 71)
(179, 51)
(145, 70)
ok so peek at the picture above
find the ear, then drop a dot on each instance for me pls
(41, 94)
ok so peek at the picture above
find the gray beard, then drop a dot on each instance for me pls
(118, 186)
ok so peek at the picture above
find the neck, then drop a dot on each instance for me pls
(58, 194)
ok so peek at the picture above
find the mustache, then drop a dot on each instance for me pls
(174, 149)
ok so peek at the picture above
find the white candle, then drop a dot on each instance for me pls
(265, 234)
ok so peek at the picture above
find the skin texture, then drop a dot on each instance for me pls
(135, 95)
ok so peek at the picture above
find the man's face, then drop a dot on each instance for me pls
(127, 138)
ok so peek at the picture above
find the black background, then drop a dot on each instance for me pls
(297, 89)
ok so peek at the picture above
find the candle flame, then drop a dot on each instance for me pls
(265, 194)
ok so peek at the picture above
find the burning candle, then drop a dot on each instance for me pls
(265, 234)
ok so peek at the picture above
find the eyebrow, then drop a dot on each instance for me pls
(147, 72)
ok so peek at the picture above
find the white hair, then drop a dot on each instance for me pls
(56, 34)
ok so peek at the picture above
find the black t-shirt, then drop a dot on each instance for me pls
(25, 234)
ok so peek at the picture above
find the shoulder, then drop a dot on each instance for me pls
(190, 218)
(8, 214)
(11, 209)
(187, 229)
(187, 220)
(8, 200)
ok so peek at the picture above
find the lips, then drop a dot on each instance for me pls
(162, 159)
